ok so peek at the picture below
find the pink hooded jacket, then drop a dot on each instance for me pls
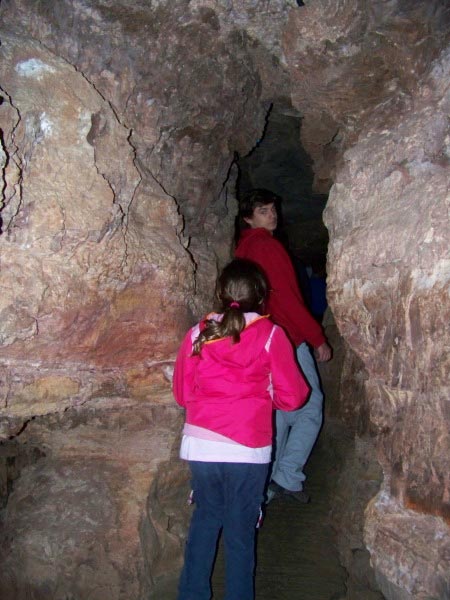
(231, 389)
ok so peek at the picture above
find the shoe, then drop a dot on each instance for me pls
(275, 491)
(299, 496)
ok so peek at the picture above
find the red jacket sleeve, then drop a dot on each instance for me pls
(183, 374)
(290, 390)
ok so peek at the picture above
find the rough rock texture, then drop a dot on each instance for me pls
(81, 276)
(94, 512)
(389, 271)
(347, 57)
(119, 124)
(188, 81)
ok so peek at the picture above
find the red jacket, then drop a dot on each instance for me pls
(228, 389)
(285, 304)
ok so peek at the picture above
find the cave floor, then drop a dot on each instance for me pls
(297, 558)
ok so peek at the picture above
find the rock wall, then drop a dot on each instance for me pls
(189, 82)
(100, 511)
(76, 259)
(84, 340)
(372, 85)
(119, 125)
(389, 274)
(347, 57)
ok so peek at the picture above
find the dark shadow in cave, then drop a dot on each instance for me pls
(279, 162)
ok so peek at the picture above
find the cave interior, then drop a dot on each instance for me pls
(129, 131)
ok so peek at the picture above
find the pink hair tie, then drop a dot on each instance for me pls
(235, 305)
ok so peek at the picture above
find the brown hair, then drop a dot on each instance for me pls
(240, 288)
(255, 198)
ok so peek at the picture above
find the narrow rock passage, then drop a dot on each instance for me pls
(296, 555)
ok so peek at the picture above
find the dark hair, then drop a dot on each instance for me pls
(255, 198)
(240, 288)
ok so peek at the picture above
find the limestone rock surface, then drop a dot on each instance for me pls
(347, 57)
(98, 513)
(119, 126)
(388, 222)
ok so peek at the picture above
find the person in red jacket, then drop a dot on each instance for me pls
(232, 369)
(297, 431)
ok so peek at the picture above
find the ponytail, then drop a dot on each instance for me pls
(240, 288)
(231, 325)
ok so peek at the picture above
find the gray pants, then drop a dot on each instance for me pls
(297, 430)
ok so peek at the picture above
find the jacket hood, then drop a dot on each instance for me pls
(252, 342)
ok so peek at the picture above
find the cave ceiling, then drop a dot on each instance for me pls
(189, 76)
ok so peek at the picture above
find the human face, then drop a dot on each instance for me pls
(263, 216)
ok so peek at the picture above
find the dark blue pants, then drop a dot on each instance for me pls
(228, 497)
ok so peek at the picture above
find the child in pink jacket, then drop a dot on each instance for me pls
(232, 369)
